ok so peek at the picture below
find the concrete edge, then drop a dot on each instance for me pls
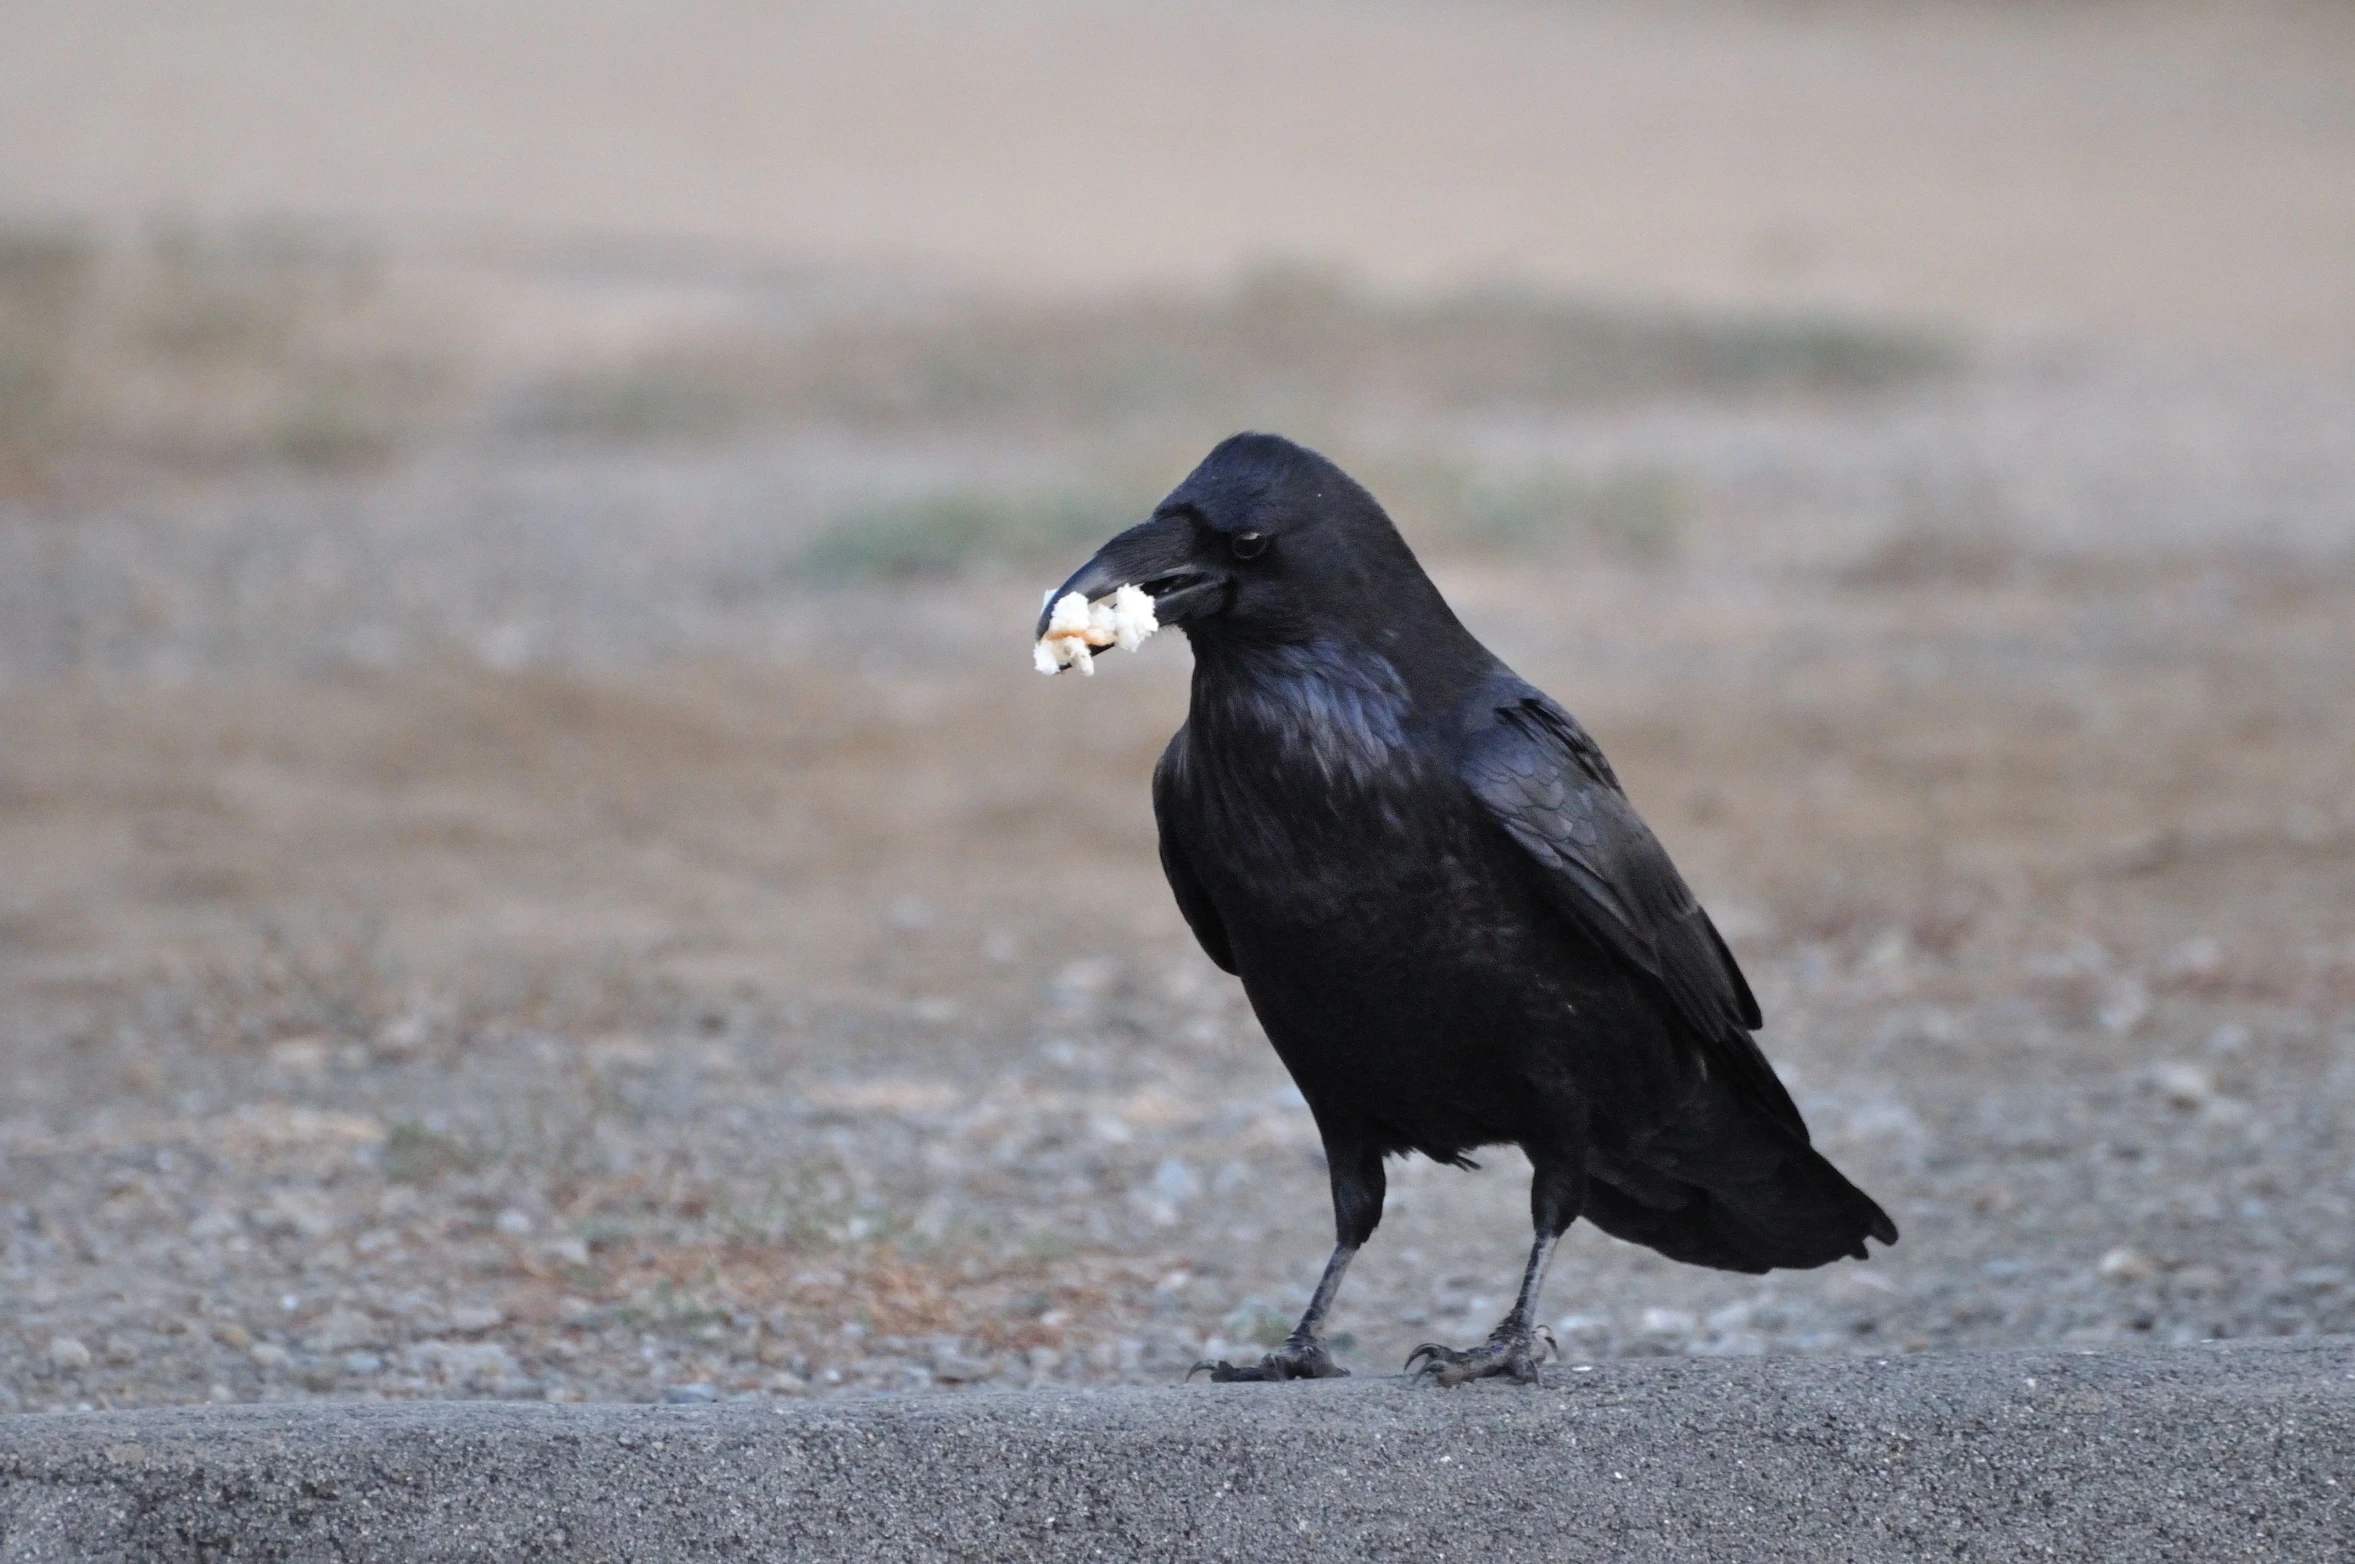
(2208, 1452)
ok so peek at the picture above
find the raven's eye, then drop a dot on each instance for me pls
(1248, 545)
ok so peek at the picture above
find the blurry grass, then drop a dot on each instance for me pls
(413, 1154)
(1285, 348)
(1259, 1322)
(43, 275)
(1634, 514)
(276, 346)
(948, 533)
(256, 346)
(1946, 530)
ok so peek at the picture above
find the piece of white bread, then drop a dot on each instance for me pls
(1078, 627)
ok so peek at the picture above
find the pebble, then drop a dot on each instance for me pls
(688, 1395)
(950, 1363)
(341, 1329)
(2185, 1086)
(2125, 1265)
(463, 1362)
(1667, 1322)
(67, 1352)
(1174, 1182)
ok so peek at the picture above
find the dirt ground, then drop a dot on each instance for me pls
(533, 862)
(2169, 170)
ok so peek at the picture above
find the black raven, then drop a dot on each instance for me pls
(1451, 922)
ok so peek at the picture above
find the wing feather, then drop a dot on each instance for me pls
(1193, 900)
(1545, 781)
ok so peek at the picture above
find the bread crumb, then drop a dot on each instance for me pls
(1077, 629)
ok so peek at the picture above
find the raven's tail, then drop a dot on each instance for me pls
(1726, 1187)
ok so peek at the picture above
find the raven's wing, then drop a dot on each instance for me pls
(1546, 782)
(1201, 916)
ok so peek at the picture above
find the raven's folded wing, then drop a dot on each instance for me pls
(1201, 916)
(1546, 782)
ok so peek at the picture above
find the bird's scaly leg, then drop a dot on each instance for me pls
(1303, 1354)
(1514, 1349)
(1357, 1209)
(1517, 1346)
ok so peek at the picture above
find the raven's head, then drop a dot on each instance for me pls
(1269, 543)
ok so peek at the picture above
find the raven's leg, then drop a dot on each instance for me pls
(1358, 1184)
(1518, 1345)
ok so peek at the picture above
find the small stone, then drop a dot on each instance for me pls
(267, 1355)
(2128, 1003)
(403, 1038)
(1667, 1322)
(343, 1328)
(299, 1055)
(67, 1353)
(513, 1221)
(473, 1319)
(463, 1362)
(690, 1395)
(2185, 1086)
(950, 1363)
(2230, 1038)
(1733, 1317)
(1173, 1181)
(232, 1335)
(361, 1365)
(2125, 1265)
(1732, 1344)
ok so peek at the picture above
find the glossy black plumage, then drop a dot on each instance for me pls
(1451, 921)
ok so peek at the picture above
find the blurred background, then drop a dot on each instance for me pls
(532, 859)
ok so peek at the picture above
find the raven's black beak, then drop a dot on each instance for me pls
(1158, 557)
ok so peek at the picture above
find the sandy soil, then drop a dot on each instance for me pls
(2174, 172)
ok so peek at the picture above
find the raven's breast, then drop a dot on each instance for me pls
(1392, 941)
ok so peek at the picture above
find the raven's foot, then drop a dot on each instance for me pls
(1513, 1351)
(1295, 1359)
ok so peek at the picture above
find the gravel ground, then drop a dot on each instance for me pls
(525, 942)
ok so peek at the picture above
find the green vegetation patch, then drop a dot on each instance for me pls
(1634, 513)
(951, 532)
(1285, 348)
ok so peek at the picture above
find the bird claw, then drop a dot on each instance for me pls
(1293, 1360)
(1508, 1353)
